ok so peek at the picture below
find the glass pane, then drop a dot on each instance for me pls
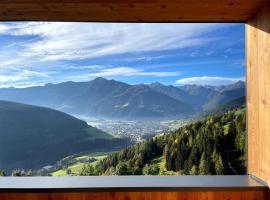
(122, 99)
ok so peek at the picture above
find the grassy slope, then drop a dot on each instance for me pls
(77, 166)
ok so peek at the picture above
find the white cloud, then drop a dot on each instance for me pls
(28, 73)
(3, 28)
(20, 76)
(68, 41)
(209, 80)
(194, 54)
(6, 78)
(51, 45)
(127, 71)
(87, 67)
(152, 58)
(23, 84)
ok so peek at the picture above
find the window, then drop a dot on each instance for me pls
(122, 99)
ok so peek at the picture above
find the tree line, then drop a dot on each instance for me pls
(17, 172)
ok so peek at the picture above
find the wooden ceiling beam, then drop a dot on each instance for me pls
(130, 10)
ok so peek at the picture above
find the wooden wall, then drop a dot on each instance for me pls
(258, 94)
(225, 195)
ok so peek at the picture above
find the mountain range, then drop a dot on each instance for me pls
(32, 137)
(104, 98)
(203, 98)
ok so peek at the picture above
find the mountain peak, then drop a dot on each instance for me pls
(99, 79)
(237, 85)
(48, 84)
(156, 84)
(242, 83)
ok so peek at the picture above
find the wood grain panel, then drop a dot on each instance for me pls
(258, 93)
(252, 95)
(221, 195)
(130, 10)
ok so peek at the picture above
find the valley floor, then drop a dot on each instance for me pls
(137, 131)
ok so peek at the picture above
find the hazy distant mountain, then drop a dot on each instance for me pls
(234, 86)
(101, 98)
(203, 97)
(32, 137)
(226, 94)
(229, 106)
(113, 99)
(194, 95)
(175, 93)
(201, 94)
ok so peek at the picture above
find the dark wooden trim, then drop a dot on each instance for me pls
(130, 10)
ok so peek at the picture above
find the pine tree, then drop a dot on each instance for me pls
(167, 157)
(203, 167)
(193, 170)
(2, 173)
(19, 172)
(219, 167)
(122, 169)
(87, 170)
(215, 156)
(111, 171)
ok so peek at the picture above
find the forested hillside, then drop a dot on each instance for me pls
(32, 137)
(214, 145)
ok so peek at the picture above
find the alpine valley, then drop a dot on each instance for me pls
(104, 127)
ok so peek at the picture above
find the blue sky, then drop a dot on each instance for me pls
(35, 53)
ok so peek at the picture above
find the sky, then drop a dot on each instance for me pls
(35, 53)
